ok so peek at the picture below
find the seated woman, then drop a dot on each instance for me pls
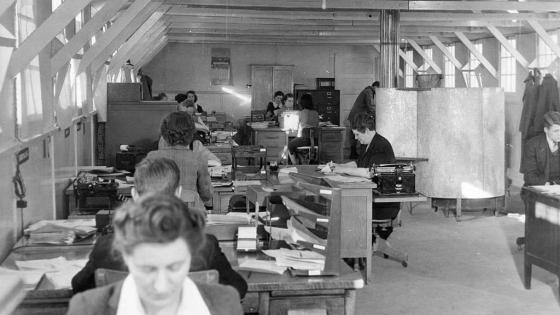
(157, 237)
(191, 95)
(308, 118)
(288, 101)
(378, 151)
(177, 130)
(275, 107)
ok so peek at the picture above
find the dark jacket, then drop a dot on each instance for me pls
(365, 102)
(105, 300)
(548, 100)
(208, 257)
(380, 151)
(536, 161)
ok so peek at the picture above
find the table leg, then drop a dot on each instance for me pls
(350, 302)
(458, 209)
(527, 273)
(264, 303)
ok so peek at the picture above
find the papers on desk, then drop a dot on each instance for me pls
(238, 218)
(30, 278)
(219, 171)
(59, 271)
(297, 259)
(287, 170)
(348, 179)
(241, 183)
(62, 232)
(265, 266)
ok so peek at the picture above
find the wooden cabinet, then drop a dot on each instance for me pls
(273, 139)
(267, 79)
(331, 144)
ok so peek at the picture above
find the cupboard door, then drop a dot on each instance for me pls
(261, 89)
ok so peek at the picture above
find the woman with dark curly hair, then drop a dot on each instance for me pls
(177, 130)
(157, 236)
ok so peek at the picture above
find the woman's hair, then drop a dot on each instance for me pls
(179, 98)
(288, 95)
(363, 120)
(278, 93)
(551, 118)
(193, 93)
(159, 175)
(177, 128)
(306, 101)
(157, 218)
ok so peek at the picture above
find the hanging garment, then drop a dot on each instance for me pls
(548, 100)
(530, 97)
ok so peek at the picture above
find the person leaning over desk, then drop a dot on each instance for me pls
(542, 157)
(177, 129)
(157, 236)
(159, 175)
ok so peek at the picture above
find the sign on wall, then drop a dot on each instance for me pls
(220, 67)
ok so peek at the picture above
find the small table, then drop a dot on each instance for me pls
(404, 198)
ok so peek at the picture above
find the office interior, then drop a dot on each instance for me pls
(64, 62)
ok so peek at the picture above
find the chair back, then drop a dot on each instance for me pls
(107, 276)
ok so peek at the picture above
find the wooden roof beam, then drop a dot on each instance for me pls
(153, 22)
(483, 16)
(544, 36)
(134, 10)
(409, 61)
(533, 6)
(512, 50)
(157, 47)
(135, 43)
(424, 55)
(298, 4)
(254, 39)
(477, 54)
(446, 52)
(5, 5)
(78, 41)
(43, 34)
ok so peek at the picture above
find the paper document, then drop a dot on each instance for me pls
(240, 183)
(230, 218)
(266, 266)
(348, 179)
(30, 278)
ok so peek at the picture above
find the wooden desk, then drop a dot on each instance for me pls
(542, 232)
(45, 299)
(275, 140)
(356, 240)
(278, 294)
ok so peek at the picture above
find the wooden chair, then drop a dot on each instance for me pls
(309, 154)
(107, 276)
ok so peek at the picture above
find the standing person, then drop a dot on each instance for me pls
(365, 102)
(308, 118)
(275, 107)
(157, 176)
(157, 237)
(191, 95)
(146, 83)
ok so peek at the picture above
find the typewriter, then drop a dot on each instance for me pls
(93, 193)
(396, 178)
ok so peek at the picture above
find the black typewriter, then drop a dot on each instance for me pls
(395, 178)
(94, 193)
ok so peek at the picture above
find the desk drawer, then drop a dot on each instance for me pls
(327, 304)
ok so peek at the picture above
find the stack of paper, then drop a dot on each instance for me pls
(60, 231)
(265, 266)
(236, 218)
(30, 278)
(59, 271)
(297, 259)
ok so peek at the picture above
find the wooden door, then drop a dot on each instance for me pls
(261, 89)
(282, 79)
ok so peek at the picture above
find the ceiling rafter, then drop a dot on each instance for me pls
(536, 6)
(424, 55)
(107, 38)
(478, 55)
(43, 34)
(446, 52)
(512, 50)
(5, 5)
(83, 36)
(544, 36)
(409, 61)
(152, 25)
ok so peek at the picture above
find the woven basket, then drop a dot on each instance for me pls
(426, 81)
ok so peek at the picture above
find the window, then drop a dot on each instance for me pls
(507, 68)
(472, 78)
(408, 71)
(449, 68)
(425, 66)
(545, 55)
